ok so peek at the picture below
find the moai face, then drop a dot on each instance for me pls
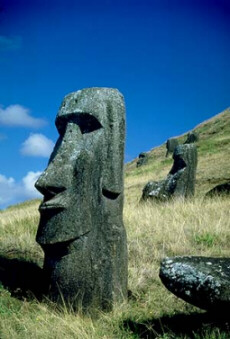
(81, 229)
(183, 172)
(86, 163)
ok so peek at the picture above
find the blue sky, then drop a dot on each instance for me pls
(170, 59)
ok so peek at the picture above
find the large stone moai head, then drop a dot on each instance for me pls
(81, 229)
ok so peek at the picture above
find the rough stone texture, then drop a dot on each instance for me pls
(201, 281)
(180, 181)
(142, 159)
(181, 178)
(81, 229)
(191, 138)
(155, 190)
(171, 144)
(222, 189)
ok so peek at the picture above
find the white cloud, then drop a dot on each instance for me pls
(7, 189)
(6, 181)
(37, 145)
(19, 116)
(28, 183)
(9, 42)
(13, 192)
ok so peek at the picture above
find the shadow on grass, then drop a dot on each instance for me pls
(180, 325)
(22, 278)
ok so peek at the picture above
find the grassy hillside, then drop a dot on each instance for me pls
(195, 227)
(213, 158)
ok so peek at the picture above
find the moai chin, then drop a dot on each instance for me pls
(81, 229)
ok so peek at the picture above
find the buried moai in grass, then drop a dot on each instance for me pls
(142, 159)
(221, 189)
(180, 182)
(81, 229)
(201, 281)
(171, 144)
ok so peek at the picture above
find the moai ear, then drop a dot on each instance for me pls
(112, 182)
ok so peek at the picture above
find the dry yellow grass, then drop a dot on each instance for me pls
(195, 227)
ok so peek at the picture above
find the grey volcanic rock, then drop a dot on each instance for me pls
(155, 190)
(222, 189)
(180, 181)
(201, 281)
(81, 229)
(142, 159)
(191, 138)
(171, 144)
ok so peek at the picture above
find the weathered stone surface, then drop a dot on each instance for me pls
(181, 178)
(171, 144)
(222, 189)
(155, 190)
(81, 229)
(142, 159)
(191, 137)
(201, 281)
(180, 181)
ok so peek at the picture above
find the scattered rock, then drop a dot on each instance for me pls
(155, 189)
(201, 281)
(81, 229)
(180, 181)
(142, 159)
(171, 144)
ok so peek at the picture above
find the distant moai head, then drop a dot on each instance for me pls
(180, 182)
(191, 138)
(181, 178)
(142, 159)
(81, 213)
(171, 144)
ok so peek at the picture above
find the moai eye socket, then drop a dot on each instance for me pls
(109, 194)
(86, 122)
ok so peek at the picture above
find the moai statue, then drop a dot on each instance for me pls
(171, 144)
(191, 138)
(180, 182)
(142, 159)
(182, 176)
(81, 229)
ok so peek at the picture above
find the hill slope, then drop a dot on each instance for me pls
(213, 158)
(154, 231)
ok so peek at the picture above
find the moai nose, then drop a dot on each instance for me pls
(40, 183)
(47, 183)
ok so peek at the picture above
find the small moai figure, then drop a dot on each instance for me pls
(81, 227)
(142, 159)
(171, 144)
(180, 182)
(182, 176)
(191, 138)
